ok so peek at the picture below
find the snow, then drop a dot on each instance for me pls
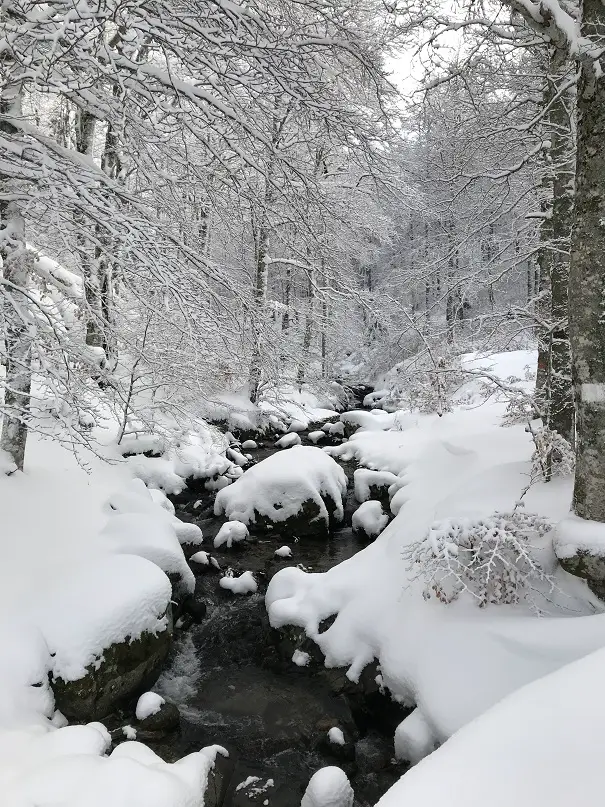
(539, 746)
(414, 738)
(200, 557)
(464, 465)
(278, 486)
(244, 584)
(66, 595)
(148, 704)
(129, 732)
(283, 552)
(145, 535)
(288, 440)
(364, 479)
(233, 532)
(370, 519)
(298, 426)
(575, 535)
(329, 787)
(336, 736)
(300, 658)
(249, 445)
(316, 436)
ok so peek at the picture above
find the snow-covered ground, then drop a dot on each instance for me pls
(452, 661)
(82, 559)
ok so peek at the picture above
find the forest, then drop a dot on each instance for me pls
(302, 402)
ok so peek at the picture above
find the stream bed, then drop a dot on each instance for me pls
(235, 684)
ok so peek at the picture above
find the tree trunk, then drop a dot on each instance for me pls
(587, 282)
(308, 334)
(560, 125)
(260, 305)
(17, 264)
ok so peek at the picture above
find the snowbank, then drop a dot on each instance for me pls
(276, 489)
(463, 465)
(542, 745)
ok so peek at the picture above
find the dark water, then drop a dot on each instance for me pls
(235, 684)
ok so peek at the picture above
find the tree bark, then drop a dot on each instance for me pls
(587, 282)
(17, 264)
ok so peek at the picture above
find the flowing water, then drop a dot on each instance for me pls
(235, 684)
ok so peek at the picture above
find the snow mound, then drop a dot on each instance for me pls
(200, 557)
(574, 535)
(364, 480)
(539, 746)
(144, 535)
(233, 532)
(277, 488)
(118, 599)
(148, 704)
(283, 552)
(370, 519)
(244, 584)
(316, 436)
(288, 440)
(249, 445)
(329, 787)
(336, 736)
(414, 738)
(300, 658)
(137, 498)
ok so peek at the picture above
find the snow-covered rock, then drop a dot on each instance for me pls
(283, 552)
(249, 445)
(299, 492)
(369, 484)
(244, 584)
(200, 557)
(369, 519)
(232, 532)
(298, 425)
(336, 736)
(148, 704)
(288, 440)
(300, 658)
(414, 738)
(329, 787)
(145, 535)
(317, 436)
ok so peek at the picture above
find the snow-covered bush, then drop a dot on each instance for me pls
(490, 558)
(552, 455)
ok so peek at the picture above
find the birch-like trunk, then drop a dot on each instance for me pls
(17, 264)
(587, 283)
(260, 306)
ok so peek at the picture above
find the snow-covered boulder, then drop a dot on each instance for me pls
(283, 552)
(369, 519)
(137, 498)
(145, 535)
(297, 492)
(288, 440)
(108, 634)
(329, 787)
(369, 484)
(233, 532)
(580, 547)
(155, 716)
(244, 584)
(317, 436)
(249, 445)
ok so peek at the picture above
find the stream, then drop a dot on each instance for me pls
(235, 684)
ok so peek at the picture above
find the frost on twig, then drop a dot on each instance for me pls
(490, 558)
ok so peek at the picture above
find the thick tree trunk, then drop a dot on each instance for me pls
(17, 263)
(587, 283)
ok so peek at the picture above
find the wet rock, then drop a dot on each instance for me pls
(196, 607)
(373, 754)
(123, 670)
(589, 567)
(219, 782)
(160, 724)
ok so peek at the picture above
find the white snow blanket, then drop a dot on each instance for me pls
(65, 596)
(453, 661)
(278, 486)
(540, 746)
